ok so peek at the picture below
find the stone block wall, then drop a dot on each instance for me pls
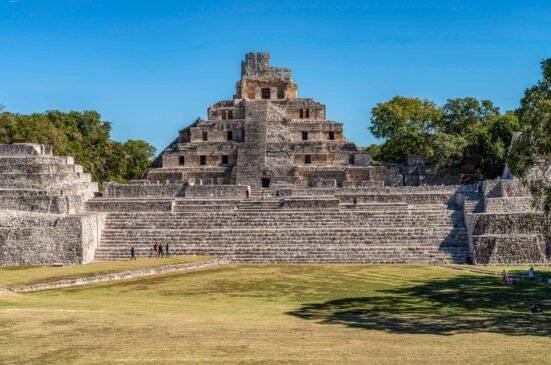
(114, 190)
(25, 149)
(514, 250)
(216, 191)
(507, 230)
(130, 205)
(35, 239)
(41, 208)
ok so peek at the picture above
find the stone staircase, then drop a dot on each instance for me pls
(33, 180)
(264, 231)
(260, 205)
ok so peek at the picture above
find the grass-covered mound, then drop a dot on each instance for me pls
(293, 314)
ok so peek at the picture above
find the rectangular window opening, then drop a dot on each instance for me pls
(307, 159)
(351, 159)
(225, 159)
(203, 160)
(265, 93)
(304, 136)
(182, 160)
(205, 136)
(265, 183)
(230, 135)
(331, 135)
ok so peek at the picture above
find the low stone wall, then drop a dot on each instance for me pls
(216, 191)
(508, 205)
(508, 238)
(41, 181)
(114, 190)
(129, 205)
(305, 203)
(505, 188)
(41, 203)
(120, 276)
(33, 238)
(502, 249)
(25, 149)
(502, 223)
(451, 189)
(428, 198)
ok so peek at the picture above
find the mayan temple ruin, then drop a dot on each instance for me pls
(266, 135)
(314, 197)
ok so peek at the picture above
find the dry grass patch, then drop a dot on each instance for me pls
(285, 314)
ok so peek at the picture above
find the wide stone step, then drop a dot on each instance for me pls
(39, 168)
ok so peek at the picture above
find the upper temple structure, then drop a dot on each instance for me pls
(266, 134)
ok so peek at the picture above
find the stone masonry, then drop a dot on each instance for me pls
(503, 228)
(42, 218)
(267, 135)
(313, 196)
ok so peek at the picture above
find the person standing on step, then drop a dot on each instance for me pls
(167, 251)
(533, 311)
(155, 249)
(160, 250)
(248, 191)
(132, 253)
(531, 275)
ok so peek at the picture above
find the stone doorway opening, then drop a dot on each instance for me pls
(265, 182)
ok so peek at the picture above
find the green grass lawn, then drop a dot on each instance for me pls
(287, 314)
(25, 275)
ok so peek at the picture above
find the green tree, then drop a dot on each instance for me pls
(461, 115)
(530, 158)
(448, 150)
(139, 154)
(406, 124)
(463, 137)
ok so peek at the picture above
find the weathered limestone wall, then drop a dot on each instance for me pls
(320, 203)
(252, 154)
(507, 230)
(114, 190)
(30, 239)
(216, 191)
(25, 149)
(130, 205)
(508, 205)
(509, 238)
(41, 202)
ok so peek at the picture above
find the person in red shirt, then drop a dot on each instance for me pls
(155, 249)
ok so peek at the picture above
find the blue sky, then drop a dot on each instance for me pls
(152, 67)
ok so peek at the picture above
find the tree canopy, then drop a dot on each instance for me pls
(463, 136)
(530, 158)
(82, 135)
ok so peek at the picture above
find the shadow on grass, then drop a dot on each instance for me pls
(464, 304)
